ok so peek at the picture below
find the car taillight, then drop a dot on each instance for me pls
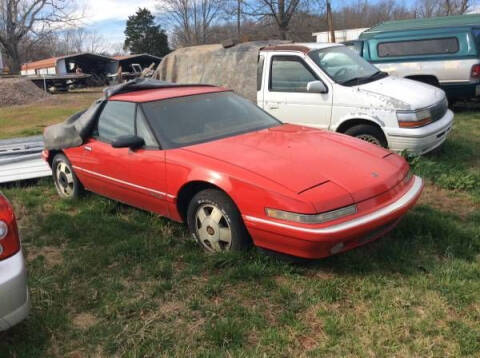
(476, 71)
(9, 240)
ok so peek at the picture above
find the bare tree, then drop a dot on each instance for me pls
(281, 11)
(429, 8)
(34, 18)
(191, 19)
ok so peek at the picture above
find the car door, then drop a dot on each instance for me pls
(136, 177)
(287, 97)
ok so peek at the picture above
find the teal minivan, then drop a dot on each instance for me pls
(441, 51)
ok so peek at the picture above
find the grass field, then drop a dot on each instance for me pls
(110, 280)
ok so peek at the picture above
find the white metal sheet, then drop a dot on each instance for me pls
(27, 169)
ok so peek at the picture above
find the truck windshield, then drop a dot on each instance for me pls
(344, 66)
(183, 121)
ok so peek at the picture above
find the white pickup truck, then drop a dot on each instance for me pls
(326, 86)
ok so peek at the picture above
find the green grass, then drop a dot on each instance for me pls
(31, 119)
(110, 280)
(456, 165)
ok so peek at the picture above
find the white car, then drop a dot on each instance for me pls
(329, 86)
(14, 298)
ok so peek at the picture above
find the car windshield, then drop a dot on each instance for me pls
(183, 121)
(344, 66)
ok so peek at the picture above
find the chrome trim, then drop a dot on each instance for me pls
(125, 182)
(404, 200)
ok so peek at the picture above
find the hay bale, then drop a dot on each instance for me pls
(16, 91)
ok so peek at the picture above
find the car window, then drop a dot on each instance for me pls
(342, 64)
(143, 131)
(261, 61)
(183, 121)
(418, 47)
(117, 119)
(290, 74)
(476, 35)
(356, 46)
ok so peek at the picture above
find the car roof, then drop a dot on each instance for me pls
(158, 94)
(421, 24)
(304, 47)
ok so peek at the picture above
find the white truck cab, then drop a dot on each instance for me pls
(329, 86)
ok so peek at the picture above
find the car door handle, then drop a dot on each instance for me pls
(87, 148)
(273, 106)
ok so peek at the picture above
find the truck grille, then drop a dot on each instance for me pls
(438, 110)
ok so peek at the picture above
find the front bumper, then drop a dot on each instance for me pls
(317, 241)
(14, 298)
(420, 140)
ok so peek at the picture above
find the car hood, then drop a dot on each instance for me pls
(401, 93)
(301, 158)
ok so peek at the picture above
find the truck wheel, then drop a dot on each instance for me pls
(66, 182)
(368, 133)
(216, 223)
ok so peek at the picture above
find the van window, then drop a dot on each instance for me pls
(356, 46)
(418, 47)
(290, 74)
(261, 61)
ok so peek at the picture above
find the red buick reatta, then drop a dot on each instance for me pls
(236, 175)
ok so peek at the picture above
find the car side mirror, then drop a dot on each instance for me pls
(128, 141)
(316, 87)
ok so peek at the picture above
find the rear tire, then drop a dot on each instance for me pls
(368, 133)
(215, 222)
(66, 182)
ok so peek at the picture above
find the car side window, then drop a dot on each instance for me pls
(116, 119)
(261, 61)
(290, 74)
(143, 131)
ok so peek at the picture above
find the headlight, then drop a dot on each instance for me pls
(3, 229)
(311, 218)
(414, 119)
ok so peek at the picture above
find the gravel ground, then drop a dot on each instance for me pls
(15, 91)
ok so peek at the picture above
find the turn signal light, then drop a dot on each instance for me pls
(476, 71)
(415, 124)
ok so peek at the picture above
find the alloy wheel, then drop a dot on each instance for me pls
(213, 229)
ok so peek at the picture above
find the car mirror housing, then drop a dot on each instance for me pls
(128, 141)
(316, 87)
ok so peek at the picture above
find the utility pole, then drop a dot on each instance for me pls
(239, 14)
(330, 22)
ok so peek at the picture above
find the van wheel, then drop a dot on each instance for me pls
(66, 182)
(216, 223)
(368, 133)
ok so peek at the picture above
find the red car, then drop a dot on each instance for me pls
(205, 156)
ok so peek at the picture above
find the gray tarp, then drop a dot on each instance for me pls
(234, 67)
(73, 131)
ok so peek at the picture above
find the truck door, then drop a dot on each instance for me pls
(286, 95)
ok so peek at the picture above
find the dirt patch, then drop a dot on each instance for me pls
(448, 201)
(16, 91)
(84, 320)
(53, 255)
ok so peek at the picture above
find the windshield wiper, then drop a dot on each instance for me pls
(357, 80)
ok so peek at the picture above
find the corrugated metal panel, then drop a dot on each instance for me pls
(20, 159)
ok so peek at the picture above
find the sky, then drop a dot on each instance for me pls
(108, 17)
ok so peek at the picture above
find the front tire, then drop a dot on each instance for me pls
(66, 182)
(216, 223)
(368, 133)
